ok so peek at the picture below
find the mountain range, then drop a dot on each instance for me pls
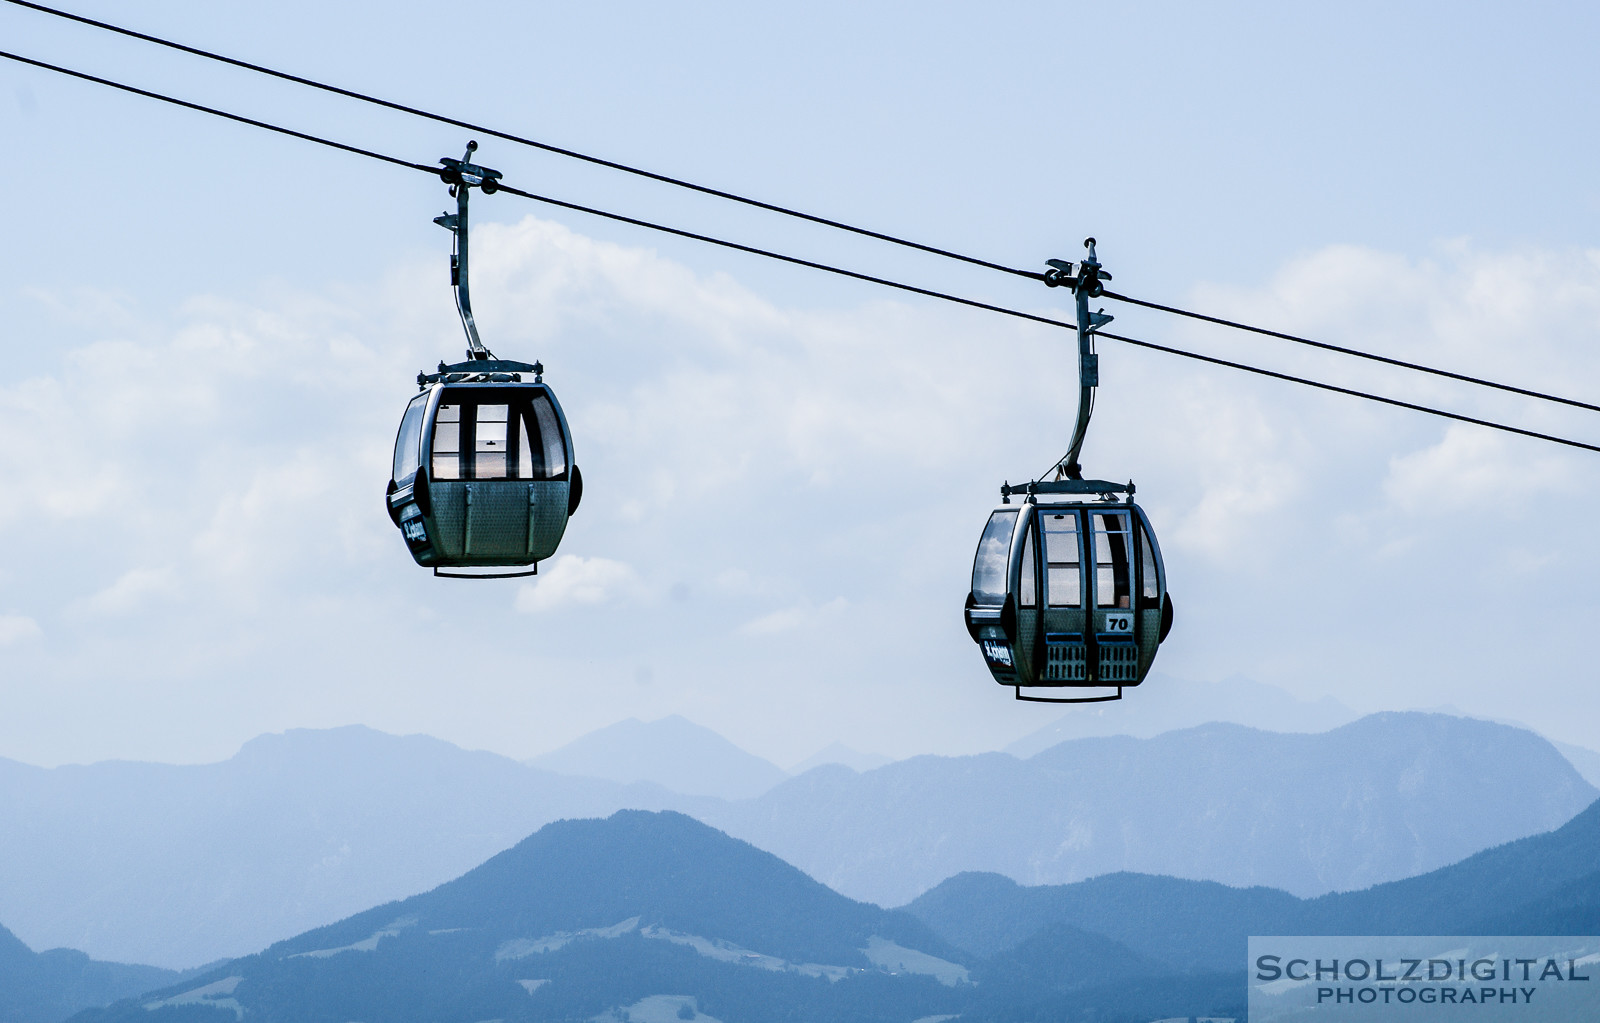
(43, 987)
(1166, 704)
(183, 865)
(179, 866)
(1197, 931)
(654, 916)
(1372, 801)
(672, 752)
(641, 915)
(1543, 884)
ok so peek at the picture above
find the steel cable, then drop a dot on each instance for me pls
(522, 140)
(753, 250)
(1357, 353)
(775, 208)
(1458, 417)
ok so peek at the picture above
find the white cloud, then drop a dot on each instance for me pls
(133, 590)
(781, 469)
(793, 619)
(16, 628)
(571, 580)
(1473, 468)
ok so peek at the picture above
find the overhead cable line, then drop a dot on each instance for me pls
(535, 143)
(202, 108)
(753, 250)
(774, 207)
(1325, 346)
(1274, 374)
(549, 200)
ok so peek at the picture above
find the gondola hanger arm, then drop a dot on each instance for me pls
(463, 176)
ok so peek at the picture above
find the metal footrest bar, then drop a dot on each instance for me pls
(442, 574)
(1066, 699)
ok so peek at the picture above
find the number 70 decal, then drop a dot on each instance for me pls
(1119, 621)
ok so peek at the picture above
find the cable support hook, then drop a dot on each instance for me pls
(1088, 283)
(463, 176)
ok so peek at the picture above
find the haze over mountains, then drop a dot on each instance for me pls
(182, 865)
(1166, 704)
(673, 752)
(178, 866)
(687, 758)
(1371, 801)
(1543, 884)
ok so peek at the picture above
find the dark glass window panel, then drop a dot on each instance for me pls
(551, 446)
(994, 555)
(1113, 584)
(498, 433)
(1150, 579)
(407, 446)
(1063, 576)
(1027, 587)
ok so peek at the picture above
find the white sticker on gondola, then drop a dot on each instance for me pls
(998, 653)
(1119, 621)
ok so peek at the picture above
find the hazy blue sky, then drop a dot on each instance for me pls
(210, 332)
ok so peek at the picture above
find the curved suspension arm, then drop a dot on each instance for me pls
(1085, 285)
(462, 177)
(458, 276)
(1088, 379)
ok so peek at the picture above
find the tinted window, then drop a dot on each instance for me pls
(485, 433)
(548, 439)
(1027, 595)
(1113, 547)
(994, 555)
(447, 440)
(1063, 577)
(407, 452)
(1150, 579)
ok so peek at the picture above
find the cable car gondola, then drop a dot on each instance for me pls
(483, 474)
(1068, 588)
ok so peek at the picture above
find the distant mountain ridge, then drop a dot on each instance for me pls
(184, 865)
(1166, 704)
(586, 918)
(654, 916)
(1367, 802)
(839, 753)
(45, 987)
(673, 752)
(1542, 884)
(1585, 761)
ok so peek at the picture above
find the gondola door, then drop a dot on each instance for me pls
(1066, 633)
(1115, 650)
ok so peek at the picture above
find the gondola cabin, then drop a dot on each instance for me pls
(483, 469)
(1068, 595)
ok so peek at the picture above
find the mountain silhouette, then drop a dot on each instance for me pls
(45, 987)
(1171, 704)
(657, 916)
(673, 752)
(179, 866)
(183, 865)
(1371, 801)
(587, 917)
(1544, 884)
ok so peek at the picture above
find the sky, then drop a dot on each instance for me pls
(210, 333)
